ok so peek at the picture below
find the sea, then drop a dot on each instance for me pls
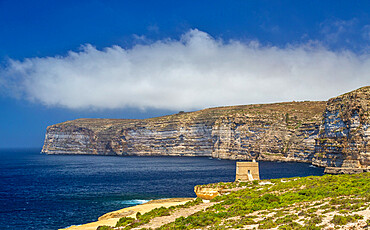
(39, 191)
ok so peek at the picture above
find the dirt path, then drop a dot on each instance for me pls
(159, 221)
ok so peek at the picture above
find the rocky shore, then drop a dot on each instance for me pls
(333, 134)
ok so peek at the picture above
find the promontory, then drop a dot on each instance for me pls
(334, 134)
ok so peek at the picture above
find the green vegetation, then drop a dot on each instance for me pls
(104, 227)
(267, 224)
(125, 221)
(188, 204)
(292, 225)
(309, 193)
(129, 222)
(292, 203)
(342, 220)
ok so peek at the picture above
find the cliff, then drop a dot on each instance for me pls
(344, 134)
(330, 134)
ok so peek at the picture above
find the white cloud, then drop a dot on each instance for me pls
(194, 72)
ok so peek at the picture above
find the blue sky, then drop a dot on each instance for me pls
(62, 60)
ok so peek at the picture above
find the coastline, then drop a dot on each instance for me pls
(111, 218)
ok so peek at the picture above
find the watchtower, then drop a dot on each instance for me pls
(247, 171)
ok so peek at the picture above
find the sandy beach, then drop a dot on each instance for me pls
(111, 218)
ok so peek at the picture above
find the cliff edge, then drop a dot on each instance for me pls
(331, 134)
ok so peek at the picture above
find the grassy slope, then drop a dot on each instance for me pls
(292, 203)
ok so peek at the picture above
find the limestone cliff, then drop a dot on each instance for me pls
(327, 134)
(344, 134)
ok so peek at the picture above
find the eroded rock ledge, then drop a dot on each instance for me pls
(332, 134)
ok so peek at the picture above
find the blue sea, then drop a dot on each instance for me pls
(53, 191)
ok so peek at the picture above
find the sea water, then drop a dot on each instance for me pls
(40, 191)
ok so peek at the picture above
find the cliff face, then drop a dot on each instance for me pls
(345, 132)
(284, 131)
(327, 134)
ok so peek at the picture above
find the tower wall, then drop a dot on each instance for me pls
(247, 171)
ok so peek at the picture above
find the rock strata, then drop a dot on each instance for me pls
(344, 135)
(331, 134)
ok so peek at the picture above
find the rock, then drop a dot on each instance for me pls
(345, 132)
(207, 193)
(342, 170)
(328, 134)
(238, 132)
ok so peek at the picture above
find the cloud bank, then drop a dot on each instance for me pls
(194, 72)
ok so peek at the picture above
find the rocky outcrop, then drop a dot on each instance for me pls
(343, 141)
(207, 193)
(326, 134)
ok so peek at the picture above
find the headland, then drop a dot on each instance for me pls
(332, 134)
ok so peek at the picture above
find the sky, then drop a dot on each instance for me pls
(63, 60)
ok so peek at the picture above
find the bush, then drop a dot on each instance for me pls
(104, 227)
(291, 226)
(315, 220)
(269, 198)
(343, 220)
(286, 220)
(122, 222)
(192, 203)
(268, 224)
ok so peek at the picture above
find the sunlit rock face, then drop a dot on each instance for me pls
(345, 131)
(283, 131)
(207, 193)
(171, 136)
(325, 133)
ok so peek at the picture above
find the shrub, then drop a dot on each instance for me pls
(311, 227)
(287, 219)
(290, 226)
(124, 221)
(104, 227)
(343, 220)
(267, 224)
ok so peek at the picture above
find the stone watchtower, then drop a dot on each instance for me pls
(247, 171)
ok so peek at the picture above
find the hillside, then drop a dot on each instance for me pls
(327, 202)
(332, 134)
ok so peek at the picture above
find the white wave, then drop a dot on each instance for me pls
(134, 202)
